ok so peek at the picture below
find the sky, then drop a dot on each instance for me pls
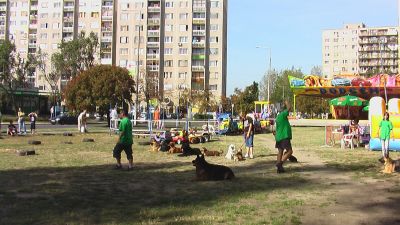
(293, 31)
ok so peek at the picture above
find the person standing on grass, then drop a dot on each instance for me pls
(33, 117)
(125, 141)
(248, 128)
(82, 127)
(384, 131)
(21, 121)
(283, 135)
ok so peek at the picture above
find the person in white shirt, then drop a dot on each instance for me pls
(82, 126)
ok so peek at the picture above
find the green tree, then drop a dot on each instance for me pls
(281, 88)
(100, 86)
(75, 56)
(244, 100)
(316, 70)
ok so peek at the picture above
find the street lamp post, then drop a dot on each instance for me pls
(269, 70)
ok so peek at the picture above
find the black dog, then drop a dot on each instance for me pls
(206, 171)
(187, 150)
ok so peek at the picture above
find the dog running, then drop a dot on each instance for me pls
(210, 172)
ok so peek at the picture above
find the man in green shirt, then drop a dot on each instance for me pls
(124, 141)
(283, 135)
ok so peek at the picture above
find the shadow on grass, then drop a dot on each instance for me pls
(100, 195)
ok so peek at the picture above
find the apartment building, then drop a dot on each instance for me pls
(173, 44)
(357, 49)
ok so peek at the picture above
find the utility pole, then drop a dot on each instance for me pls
(137, 73)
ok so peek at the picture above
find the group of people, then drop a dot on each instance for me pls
(12, 130)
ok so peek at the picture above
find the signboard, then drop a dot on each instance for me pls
(333, 92)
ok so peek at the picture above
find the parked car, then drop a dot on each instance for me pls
(64, 118)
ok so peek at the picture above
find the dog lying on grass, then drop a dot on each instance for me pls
(391, 165)
(173, 149)
(207, 152)
(206, 171)
(154, 146)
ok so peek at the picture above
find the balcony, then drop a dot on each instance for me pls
(106, 39)
(199, 45)
(33, 17)
(199, 9)
(152, 56)
(197, 68)
(153, 33)
(198, 56)
(68, 29)
(154, 9)
(69, 38)
(153, 21)
(33, 25)
(153, 68)
(68, 19)
(199, 32)
(2, 18)
(3, 8)
(69, 8)
(2, 36)
(106, 17)
(199, 21)
(106, 29)
(32, 45)
(153, 44)
(32, 36)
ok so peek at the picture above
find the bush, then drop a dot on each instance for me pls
(202, 116)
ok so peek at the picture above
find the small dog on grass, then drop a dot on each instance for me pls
(207, 152)
(154, 146)
(231, 152)
(391, 165)
(173, 149)
(238, 156)
(206, 171)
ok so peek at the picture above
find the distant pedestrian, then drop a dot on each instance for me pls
(11, 130)
(114, 118)
(33, 117)
(82, 122)
(21, 122)
(157, 118)
(283, 136)
(384, 131)
(125, 141)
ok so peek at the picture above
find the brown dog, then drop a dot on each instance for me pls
(390, 165)
(206, 171)
(154, 146)
(173, 149)
(207, 152)
(238, 156)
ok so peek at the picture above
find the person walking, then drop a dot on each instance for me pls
(21, 121)
(283, 135)
(33, 117)
(125, 141)
(82, 122)
(248, 128)
(384, 131)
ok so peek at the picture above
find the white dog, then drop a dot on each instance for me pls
(231, 152)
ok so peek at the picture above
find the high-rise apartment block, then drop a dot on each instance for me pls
(176, 44)
(357, 49)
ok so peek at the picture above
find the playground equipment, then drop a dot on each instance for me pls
(376, 110)
(262, 111)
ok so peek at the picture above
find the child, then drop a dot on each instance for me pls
(12, 130)
(33, 117)
(385, 128)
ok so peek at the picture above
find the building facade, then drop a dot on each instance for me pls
(357, 49)
(170, 44)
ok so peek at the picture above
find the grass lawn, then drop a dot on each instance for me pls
(75, 183)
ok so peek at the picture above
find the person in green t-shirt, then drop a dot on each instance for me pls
(384, 131)
(283, 135)
(125, 141)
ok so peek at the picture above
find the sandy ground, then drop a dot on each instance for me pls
(349, 201)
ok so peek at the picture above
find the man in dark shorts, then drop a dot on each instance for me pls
(283, 135)
(124, 141)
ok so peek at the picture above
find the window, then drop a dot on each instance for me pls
(213, 87)
(214, 27)
(168, 39)
(168, 51)
(215, 75)
(123, 40)
(43, 36)
(56, 25)
(183, 16)
(183, 51)
(24, 13)
(44, 5)
(43, 46)
(124, 6)
(56, 15)
(95, 15)
(124, 16)
(169, 27)
(57, 4)
(123, 51)
(24, 22)
(169, 15)
(182, 63)
(123, 63)
(125, 28)
(183, 4)
(326, 39)
(213, 39)
(213, 63)
(167, 74)
(56, 35)
(183, 39)
(169, 4)
(214, 15)
(183, 27)
(43, 15)
(213, 51)
(182, 75)
(214, 4)
(168, 63)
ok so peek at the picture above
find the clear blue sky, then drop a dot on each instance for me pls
(293, 29)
